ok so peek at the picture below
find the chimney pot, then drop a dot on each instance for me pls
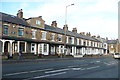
(74, 30)
(88, 34)
(54, 24)
(83, 33)
(65, 27)
(20, 14)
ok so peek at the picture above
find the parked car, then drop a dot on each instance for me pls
(116, 55)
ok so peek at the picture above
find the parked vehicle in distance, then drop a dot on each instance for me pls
(116, 55)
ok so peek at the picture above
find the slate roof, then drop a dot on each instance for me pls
(12, 19)
(70, 33)
(112, 41)
(20, 21)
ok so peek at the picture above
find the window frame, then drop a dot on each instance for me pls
(59, 38)
(45, 48)
(38, 22)
(77, 41)
(43, 35)
(53, 36)
(34, 34)
(33, 47)
(19, 31)
(5, 29)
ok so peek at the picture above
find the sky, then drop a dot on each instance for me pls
(99, 17)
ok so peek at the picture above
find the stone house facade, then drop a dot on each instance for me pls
(32, 35)
(113, 46)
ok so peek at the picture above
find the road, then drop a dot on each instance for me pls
(94, 67)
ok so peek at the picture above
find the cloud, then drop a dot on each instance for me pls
(24, 5)
(104, 5)
(95, 16)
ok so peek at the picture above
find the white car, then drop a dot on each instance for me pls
(116, 55)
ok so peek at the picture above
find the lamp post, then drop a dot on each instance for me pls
(66, 13)
(66, 26)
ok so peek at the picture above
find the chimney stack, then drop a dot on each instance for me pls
(54, 24)
(83, 33)
(20, 14)
(106, 38)
(65, 27)
(94, 36)
(74, 30)
(88, 34)
(98, 36)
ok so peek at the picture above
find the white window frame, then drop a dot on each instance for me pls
(40, 47)
(60, 36)
(43, 36)
(82, 41)
(77, 41)
(38, 22)
(53, 36)
(95, 44)
(72, 40)
(45, 48)
(33, 47)
(34, 33)
(89, 43)
(86, 42)
(52, 49)
(66, 39)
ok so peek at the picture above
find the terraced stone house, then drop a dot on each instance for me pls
(33, 36)
(113, 46)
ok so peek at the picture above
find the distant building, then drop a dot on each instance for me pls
(113, 46)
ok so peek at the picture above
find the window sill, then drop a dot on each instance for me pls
(43, 39)
(33, 38)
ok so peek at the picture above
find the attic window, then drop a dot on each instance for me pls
(38, 22)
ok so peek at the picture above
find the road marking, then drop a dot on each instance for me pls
(93, 67)
(98, 61)
(26, 72)
(45, 76)
(72, 66)
(83, 69)
(76, 68)
(15, 73)
(56, 70)
(50, 75)
(110, 63)
(40, 70)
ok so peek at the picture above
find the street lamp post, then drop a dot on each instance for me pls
(66, 26)
(66, 13)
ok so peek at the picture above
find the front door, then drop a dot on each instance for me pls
(6, 48)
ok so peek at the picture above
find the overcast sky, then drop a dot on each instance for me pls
(100, 17)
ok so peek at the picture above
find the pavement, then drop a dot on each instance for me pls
(22, 60)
